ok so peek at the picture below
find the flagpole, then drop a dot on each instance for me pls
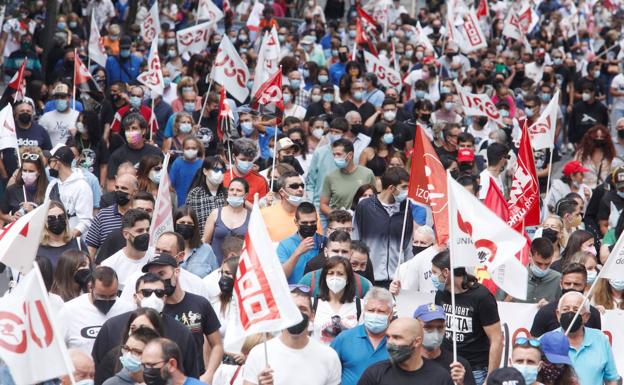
(549, 171)
(401, 248)
(19, 164)
(201, 114)
(454, 322)
(153, 117)
(274, 157)
(74, 82)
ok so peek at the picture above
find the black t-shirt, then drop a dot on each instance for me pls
(316, 109)
(13, 197)
(53, 253)
(197, 314)
(35, 136)
(604, 207)
(475, 309)
(445, 359)
(546, 319)
(112, 244)
(109, 337)
(384, 373)
(366, 110)
(542, 158)
(125, 154)
(402, 134)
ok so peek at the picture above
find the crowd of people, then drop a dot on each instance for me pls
(331, 174)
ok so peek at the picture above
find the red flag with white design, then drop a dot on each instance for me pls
(8, 136)
(524, 195)
(262, 297)
(542, 132)
(162, 218)
(267, 63)
(479, 238)
(483, 10)
(270, 92)
(225, 112)
(427, 183)
(230, 71)
(30, 342)
(97, 53)
(17, 81)
(207, 10)
(361, 37)
(81, 73)
(153, 77)
(150, 27)
(373, 25)
(19, 241)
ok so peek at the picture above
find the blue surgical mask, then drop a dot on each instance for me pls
(591, 276)
(557, 61)
(244, 166)
(504, 113)
(445, 90)
(432, 340)
(340, 162)
(172, 53)
(529, 372)
(286, 98)
(130, 362)
(189, 106)
(545, 98)
(73, 24)
(375, 323)
(437, 284)
(332, 138)
(323, 79)
(358, 95)
(135, 101)
(61, 105)
(620, 194)
(235, 201)
(539, 273)
(86, 381)
(294, 200)
(352, 33)
(247, 128)
(185, 127)
(305, 73)
(328, 98)
(449, 105)
(61, 25)
(388, 138)
(617, 284)
(124, 53)
(529, 112)
(401, 196)
(420, 94)
(250, 84)
(295, 83)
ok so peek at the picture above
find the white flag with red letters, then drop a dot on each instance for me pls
(479, 238)
(268, 59)
(614, 267)
(8, 136)
(194, 39)
(207, 10)
(30, 343)
(150, 27)
(162, 218)
(19, 240)
(478, 104)
(542, 132)
(386, 75)
(97, 53)
(230, 70)
(472, 36)
(153, 77)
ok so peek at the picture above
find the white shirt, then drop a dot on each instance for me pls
(188, 281)
(225, 373)
(618, 85)
(315, 364)
(323, 319)
(415, 274)
(534, 71)
(59, 125)
(212, 284)
(295, 110)
(124, 266)
(81, 321)
(485, 182)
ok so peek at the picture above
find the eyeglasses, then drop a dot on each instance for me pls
(30, 156)
(221, 170)
(56, 217)
(148, 292)
(520, 341)
(297, 287)
(296, 186)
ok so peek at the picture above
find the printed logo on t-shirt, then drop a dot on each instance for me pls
(27, 142)
(90, 332)
(191, 320)
(461, 323)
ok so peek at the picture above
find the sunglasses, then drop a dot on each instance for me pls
(56, 217)
(521, 341)
(148, 292)
(296, 186)
(30, 156)
(297, 287)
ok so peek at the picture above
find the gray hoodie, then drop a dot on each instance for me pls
(121, 378)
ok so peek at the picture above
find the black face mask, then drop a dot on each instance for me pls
(418, 249)
(121, 198)
(620, 134)
(24, 118)
(185, 230)
(53, 173)
(356, 129)
(226, 284)
(342, 57)
(213, 114)
(276, 186)
(57, 225)
(300, 327)
(482, 121)
(169, 288)
(289, 159)
(307, 230)
(563, 291)
(566, 319)
(103, 305)
(82, 278)
(153, 376)
(425, 117)
(141, 242)
(600, 142)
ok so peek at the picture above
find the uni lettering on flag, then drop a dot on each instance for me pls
(162, 218)
(524, 194)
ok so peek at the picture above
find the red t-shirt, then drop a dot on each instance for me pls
(257, 184)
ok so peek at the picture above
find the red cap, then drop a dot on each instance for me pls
(465, 155)
(572, 167)
(540, 52)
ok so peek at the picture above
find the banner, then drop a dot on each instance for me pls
(8, 136)
(472, 36)
(230, 71)
(388, 77)
(150, 28)
(97, 53)
(478, 104)
(194, 39)
(207, 10)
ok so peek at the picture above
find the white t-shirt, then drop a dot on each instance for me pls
(485, 182)
(226, 373)
(323, 323)
(315, 364)
(415, 274)
(188, 281)
(534, 72)
(124, 266)
(60, 126)
(81, 321)
(296, 110)
(618, 84)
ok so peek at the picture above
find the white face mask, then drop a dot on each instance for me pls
(318, 133)
(336, 284)
(153, 302)
(215, 177)
(190, 154)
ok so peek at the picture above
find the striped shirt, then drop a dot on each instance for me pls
(107, 220)
(203, 202)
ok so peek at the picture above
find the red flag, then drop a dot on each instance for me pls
(483, 10)
(428, 183)
(524, 196)
(368, 18)
(362, 38)
(270, 92)
(225, 112)
(81, 73)
(17, 80)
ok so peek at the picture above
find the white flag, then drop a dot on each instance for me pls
(19, 241)
(162, 218)
(614, 267)
(542, 132)
(386, 75)
(513, 30)
(478, 237)
(262, 298)
(153, 77)
(478, 104)
(150, 27)
(230, 71)
(268, 59)
(97, 53)
(472, 36)
(253, 21)
(194, 39)
(8, 136)
(30, 342)
(207, 10)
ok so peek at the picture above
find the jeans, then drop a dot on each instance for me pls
(479, 375)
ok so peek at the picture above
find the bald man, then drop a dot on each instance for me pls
(405, 366)
(109, 218)
(84, 368)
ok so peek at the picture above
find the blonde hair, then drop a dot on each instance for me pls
(564, 234)
(45, 241)
(186, 81)
(602, 295)
(178, 118)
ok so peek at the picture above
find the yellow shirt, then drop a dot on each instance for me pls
(281, 224)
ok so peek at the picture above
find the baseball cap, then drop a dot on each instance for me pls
(572, 167)
(285, 143)
(617, 176)
(506, 376)
(162, 259)
(61, 89)
(465, 155)
(540, 52)
(62, 153)
(555, 346)
(429, 312)
(308, 39)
